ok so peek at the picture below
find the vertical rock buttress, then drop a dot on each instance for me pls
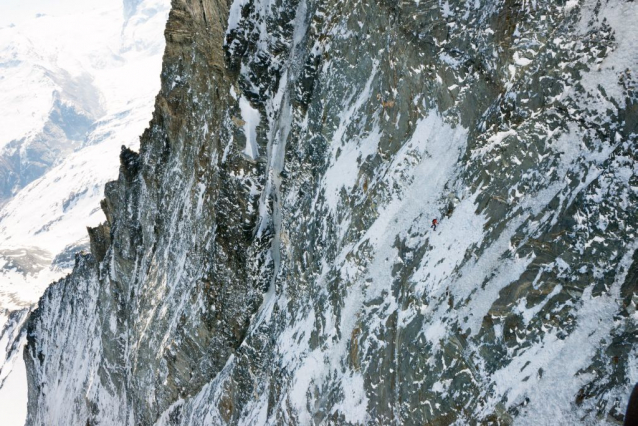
(180, 222)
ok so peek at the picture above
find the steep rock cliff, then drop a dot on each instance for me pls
(268, 255)
(57, 72)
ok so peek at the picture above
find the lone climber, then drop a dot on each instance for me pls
(434, 224)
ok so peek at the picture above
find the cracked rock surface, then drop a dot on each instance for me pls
(268, 257)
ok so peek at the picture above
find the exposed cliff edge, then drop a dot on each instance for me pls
(268, 256)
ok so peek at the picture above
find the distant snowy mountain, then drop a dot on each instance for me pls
(73, 90)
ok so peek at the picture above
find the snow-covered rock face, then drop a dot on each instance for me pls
(268, 255)
(73, 89)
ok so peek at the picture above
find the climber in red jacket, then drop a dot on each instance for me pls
(434, 223)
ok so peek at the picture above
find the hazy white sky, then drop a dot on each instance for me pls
(15, 11)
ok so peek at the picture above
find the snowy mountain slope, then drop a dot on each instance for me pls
(46, 124)
(73, 90)
(117, 62)
(13, 380)
(78, 69)
(268, 257)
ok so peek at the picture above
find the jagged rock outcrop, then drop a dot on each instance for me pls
(268, 256)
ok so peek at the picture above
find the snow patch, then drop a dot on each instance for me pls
(251, 119)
